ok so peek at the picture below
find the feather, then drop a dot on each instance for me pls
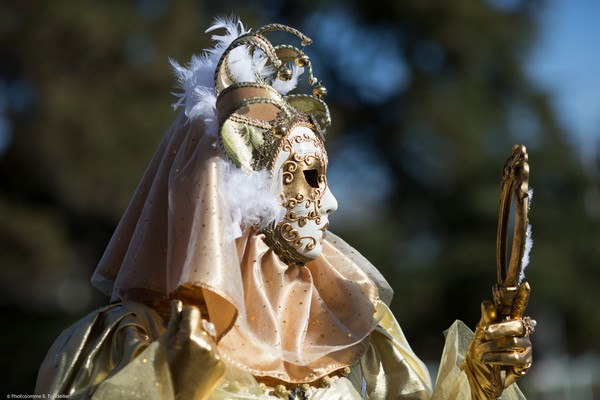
(284, 87)
(241, 65)
(528, 245)
(253, 198)
(196, 79)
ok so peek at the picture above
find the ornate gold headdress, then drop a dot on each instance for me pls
(253, 115)
(239, 90)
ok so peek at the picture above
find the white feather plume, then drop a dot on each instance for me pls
(528, 244)
(196, 78)
(284, 87)
(241, 66)
(253, 198)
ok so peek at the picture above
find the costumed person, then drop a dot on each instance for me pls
(224, 280)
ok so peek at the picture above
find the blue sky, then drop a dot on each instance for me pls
(566, 62)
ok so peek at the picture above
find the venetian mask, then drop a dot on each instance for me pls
(263, 128)
(301, 166)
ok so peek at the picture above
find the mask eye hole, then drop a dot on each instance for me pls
(312, 177)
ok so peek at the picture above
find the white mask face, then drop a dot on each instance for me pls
(302, 164)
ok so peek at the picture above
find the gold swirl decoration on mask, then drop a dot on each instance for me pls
(304, 184)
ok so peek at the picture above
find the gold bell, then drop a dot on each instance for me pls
(302, 60)
(279, 131)
(284, 73)
(319, 91)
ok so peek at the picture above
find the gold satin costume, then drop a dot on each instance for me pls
(114, 353)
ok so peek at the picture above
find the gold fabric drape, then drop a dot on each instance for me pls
(114, 353)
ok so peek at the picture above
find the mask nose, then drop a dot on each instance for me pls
(328, 202)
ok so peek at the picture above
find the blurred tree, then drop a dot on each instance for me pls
(427, 99)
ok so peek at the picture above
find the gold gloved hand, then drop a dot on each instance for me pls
(195, 366)
(500, 351)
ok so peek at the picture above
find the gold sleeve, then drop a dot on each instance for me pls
(451, 382)
(145, 377)
(406, 375)
(390, 367)
(91, 351)
(112, 353)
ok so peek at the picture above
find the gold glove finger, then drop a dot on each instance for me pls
(196, 326)
(192, 352)
(503, 329)
(488, 313)
(511, 358)
(516, 372)
(520, 301)
(521, 370)
(190, 317)
(504, 344)
(176, 308)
